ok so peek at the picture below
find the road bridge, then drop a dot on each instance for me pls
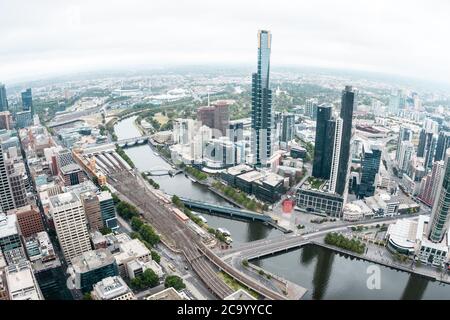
(130, 142)
(229, 211)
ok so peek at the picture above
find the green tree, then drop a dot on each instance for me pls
(149, 278)
(175, 282)
(136, 223)
(87, 296)
(105, 230)
(156, 256)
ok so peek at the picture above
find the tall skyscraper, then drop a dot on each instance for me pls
(311, 108)
(70, 223)
(27, 100)
(404, 134)
(443, 143)
(6, 194)
(335, 160)
(370, 164)
(440, 214)
(432, 180)
(262, 121)
(323, 144)
(347, 105)
(3, 99)
(216, 116)
(405, 155)
(429, 152)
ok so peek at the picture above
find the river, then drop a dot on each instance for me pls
(331, 275)
(145, 159)
(326, 274)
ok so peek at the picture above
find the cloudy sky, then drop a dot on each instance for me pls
(409, 38)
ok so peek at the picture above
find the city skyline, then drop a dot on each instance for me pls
(348, 35)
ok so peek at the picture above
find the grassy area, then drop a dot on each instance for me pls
(240, 197)
(235, 285)
(315, 183)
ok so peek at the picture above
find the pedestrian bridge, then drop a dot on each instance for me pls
(229, 211)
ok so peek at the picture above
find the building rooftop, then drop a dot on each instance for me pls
(167, 294)
(239, 169)
(403, 233)
(131, 249)
(8, 225)
(251, 176)
(240, 294)
(21, 282)
(110, 288)
(92, 260)
(70, 168)
(104, 196)
(64, 199)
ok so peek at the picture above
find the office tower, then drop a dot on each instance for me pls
(9, 233)
(70, 223)
(370, 164)
(92, 266)
(6, 193)
(216, 116)
(18, 181)
(443, 143)
(220, 153)
(184, 130)
(236, 131)
(71, 174)
(63, 158)
(347, 105)
(335, 159)
(22, 284)
(432, 183)
(323, 144)
(6, 120)
(92, 210)
(404, 134)
(3, 98)
(288, 127)
(107, 210)
(311, 106)
(29, 220)
(405, 155)
(262, 102)
(440, 216)
(27, 101)
(429, 152)
(394, 102)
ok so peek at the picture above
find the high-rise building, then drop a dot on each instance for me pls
(70, 223)
(216, 116)
(347, 105)
(27, 100)
(404, 134)
(6, 120)
(92, 266)
(262, 121)
(370, 164)
(443, 143)
(236, 131)
(323, 144)
(22, 284)
(287, 127)
(440, 214)
(405, 155)
(311, 108)
(430, 151)
(432, 183)
(6, 193)
(29, 220)
(9, 233)
(184, 130)
(92, 210)
(3, 98)
(335, 159)
(107, 210)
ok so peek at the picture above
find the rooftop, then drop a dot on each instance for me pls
(69, 168)
(64, 199)
(240, 294)
(239, 169)
(251, 176)
(167, 294)
(8, 225)
(110, 288)
(92, 260)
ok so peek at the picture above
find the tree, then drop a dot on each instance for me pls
(175, 282)
(156, 256)
(105, 230)
(149, 278)
(136, 283)
(136, 223)
(245, 263)
(87, 296)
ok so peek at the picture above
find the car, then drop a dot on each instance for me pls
(186, 268)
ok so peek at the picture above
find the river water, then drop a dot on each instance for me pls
(145, 159)
(326, 274)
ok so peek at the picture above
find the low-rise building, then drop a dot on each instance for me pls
(21, 283)
(112, 288)
(240, 294)
(168, 294)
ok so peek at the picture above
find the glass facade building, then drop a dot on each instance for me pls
(27, 101)
(323, 144)
(370, 164)
(440, 213)
(261, 114)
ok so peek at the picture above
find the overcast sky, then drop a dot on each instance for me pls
(409, 38)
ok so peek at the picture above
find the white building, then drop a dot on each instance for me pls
(112, 288)
(70, 223)
(184, 130)
(22, 285)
